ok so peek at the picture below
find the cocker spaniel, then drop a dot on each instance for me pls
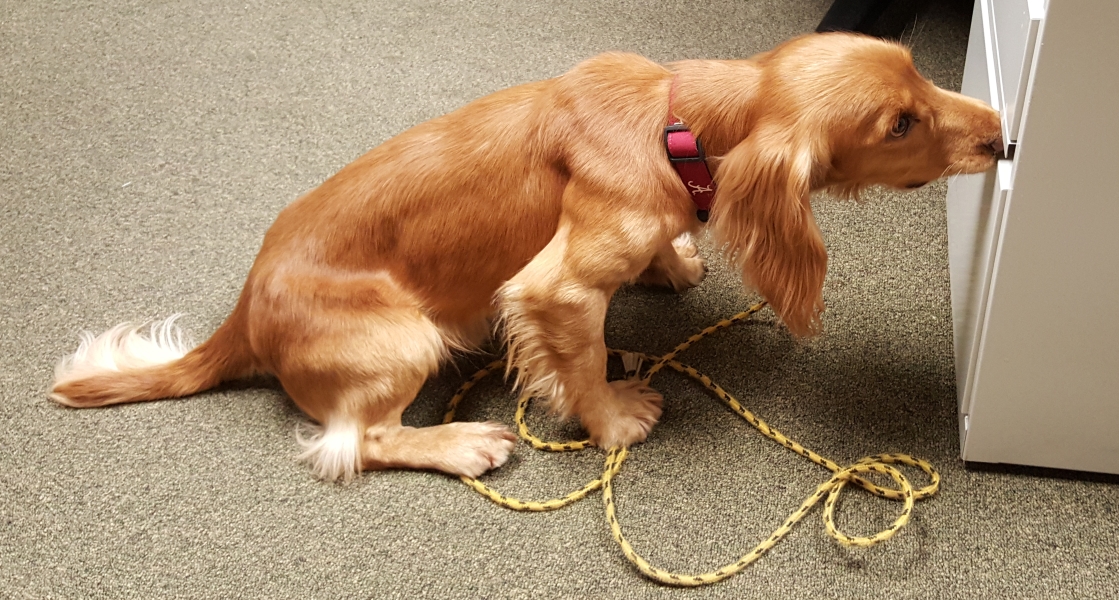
(528, 208)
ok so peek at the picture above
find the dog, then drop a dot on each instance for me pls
(527, 209)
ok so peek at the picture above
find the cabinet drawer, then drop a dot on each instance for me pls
(980, 80)
(1013, 27)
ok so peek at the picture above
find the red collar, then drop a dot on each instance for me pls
(687, 158)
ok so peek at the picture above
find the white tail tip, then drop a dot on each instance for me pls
(123, 347)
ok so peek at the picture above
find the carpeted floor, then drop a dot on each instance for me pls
(146, 146)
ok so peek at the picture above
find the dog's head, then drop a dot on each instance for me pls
(842, 112)
(885, 123)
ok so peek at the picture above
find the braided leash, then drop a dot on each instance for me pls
(831, 489)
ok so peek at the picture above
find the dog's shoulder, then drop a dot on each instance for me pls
(615, 66)
(613, 83)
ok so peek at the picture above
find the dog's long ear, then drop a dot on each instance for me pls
(762, 215)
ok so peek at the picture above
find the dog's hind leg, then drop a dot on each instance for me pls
(373, 438)
(468, 449)
(356, 371)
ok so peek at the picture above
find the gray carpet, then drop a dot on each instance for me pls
(146, 146)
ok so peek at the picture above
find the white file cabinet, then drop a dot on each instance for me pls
(1034, 244)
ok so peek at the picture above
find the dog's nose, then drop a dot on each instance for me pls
(996, 146)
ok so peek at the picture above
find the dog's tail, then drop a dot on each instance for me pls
(123, 365)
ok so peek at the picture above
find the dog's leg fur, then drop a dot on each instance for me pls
(554, 311)
(677, 265)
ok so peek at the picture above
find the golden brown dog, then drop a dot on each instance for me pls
(533, 205)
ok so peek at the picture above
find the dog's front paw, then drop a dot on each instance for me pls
(692, 268)
(681, 269)
(626, 416)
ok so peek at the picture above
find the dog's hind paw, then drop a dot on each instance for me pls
(477, 448)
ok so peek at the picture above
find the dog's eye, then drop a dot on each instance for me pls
(901, 127)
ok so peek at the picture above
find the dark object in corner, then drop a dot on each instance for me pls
(853, 15)
(888, 19)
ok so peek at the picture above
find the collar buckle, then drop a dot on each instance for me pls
(683, 147)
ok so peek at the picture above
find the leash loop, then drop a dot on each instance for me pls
(829, 492)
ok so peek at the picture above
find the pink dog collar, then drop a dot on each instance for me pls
(685, 152)
(687, 157)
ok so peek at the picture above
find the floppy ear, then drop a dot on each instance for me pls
(762, 214)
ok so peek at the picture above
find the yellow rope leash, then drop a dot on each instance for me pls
(616, 456)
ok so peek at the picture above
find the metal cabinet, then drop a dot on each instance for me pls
(1033, 246)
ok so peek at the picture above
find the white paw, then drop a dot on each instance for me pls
(478, 447)
(692, 268)
(685, 246)
(691, 273)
